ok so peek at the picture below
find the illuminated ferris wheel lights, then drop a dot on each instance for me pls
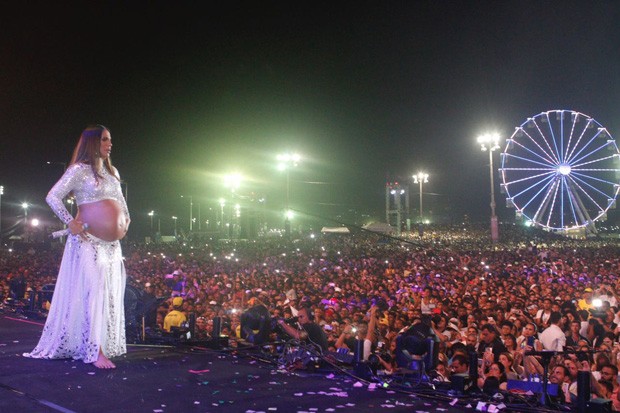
(564, 169)
(555, 174)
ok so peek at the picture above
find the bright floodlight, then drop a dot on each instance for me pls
(287, 160)
(289, 214)
(289, 157)
(232, 181)
(151, 213)
(420, 177)
(34, 222)
(222, 202)
(25, 205)
(489, 141)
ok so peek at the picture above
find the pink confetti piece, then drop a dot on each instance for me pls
(199, 371)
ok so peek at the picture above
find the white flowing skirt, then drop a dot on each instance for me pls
(87, 309)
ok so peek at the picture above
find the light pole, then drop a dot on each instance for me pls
(126, 192)
(175, 225)
(25, 206)
(191, 211)
(151, 214)
(222, 204)
(232, 182)
(490, 142)
(199, 224)
(285, 163)
(421, 178)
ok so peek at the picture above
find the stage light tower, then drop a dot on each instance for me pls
(285, 163)
(25, 206)
(151, 214)
(191, 211)
(232, 182)
(421, 178)
(490, 142)
(222, 205)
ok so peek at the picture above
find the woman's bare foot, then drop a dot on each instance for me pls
(103, 362)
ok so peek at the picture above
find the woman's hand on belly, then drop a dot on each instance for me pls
(77, 227)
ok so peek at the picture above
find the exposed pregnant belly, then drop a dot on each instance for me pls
(105, 219)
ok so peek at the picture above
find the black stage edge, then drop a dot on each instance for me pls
(186, 379)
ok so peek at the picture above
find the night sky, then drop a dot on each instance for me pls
(363, 90)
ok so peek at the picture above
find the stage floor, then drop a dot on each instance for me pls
(184, 379)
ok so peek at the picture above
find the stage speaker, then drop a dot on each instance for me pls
(599, 406)
(363, 370)
(256, 324)
(462, 383)
(217, 327)
(132, 322)
(432, 356)
(140, 311)
(473, 366)
(191, 322)
(359, 351)
(46, 294)
(17, 287)
(583, 390)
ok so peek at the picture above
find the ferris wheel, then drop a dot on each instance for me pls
(560, 170)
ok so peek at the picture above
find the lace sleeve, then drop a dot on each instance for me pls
(68, 182)
(121, 199)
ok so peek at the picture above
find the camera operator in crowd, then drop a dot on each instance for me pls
(308, 331)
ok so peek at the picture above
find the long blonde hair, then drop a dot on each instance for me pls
(87, 150)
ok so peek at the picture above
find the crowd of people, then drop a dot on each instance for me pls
(531, 292)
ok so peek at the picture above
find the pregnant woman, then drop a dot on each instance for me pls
(86, 320)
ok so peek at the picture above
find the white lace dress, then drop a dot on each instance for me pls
(87, 311)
